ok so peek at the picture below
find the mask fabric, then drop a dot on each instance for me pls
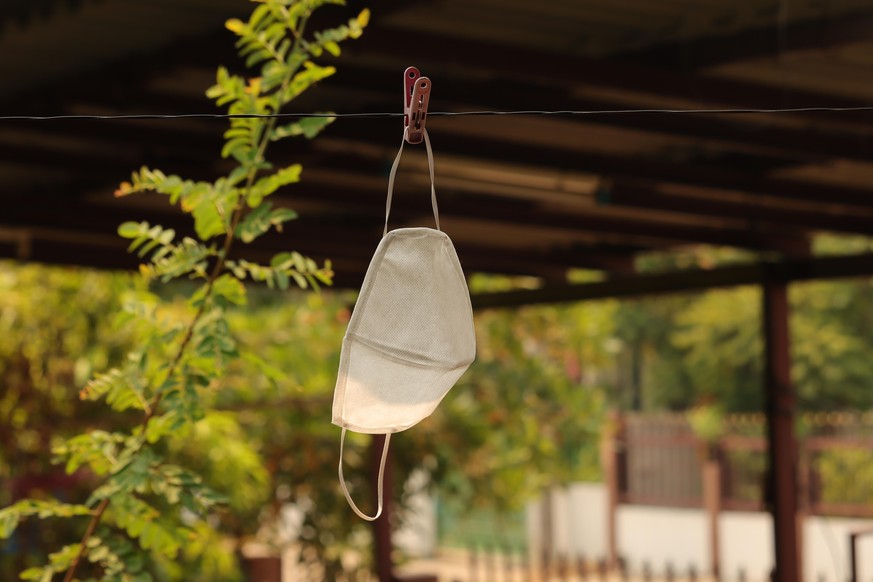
(410, 337)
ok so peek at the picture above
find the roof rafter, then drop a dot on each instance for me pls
(684, 281)
(768, 41)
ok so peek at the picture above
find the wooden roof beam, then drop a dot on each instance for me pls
(806, 144)
(821, 33)
(482, 146)
(531, 66)
(635, 195)
(684, 281)
(94, 225)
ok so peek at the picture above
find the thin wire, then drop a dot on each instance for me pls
(371, 115)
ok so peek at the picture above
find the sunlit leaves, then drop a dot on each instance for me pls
(168, 379)
(117, 557)
(211, 204)
(261, 219)
(220, 447)
(269, 184)
(188, 258)
(180, 486)
(98, 450)
(263, 37)
(309, 127)
(304, 79)
(329, 40)
(147, 238)
(12, 515)
(227, 88)
(212, 338)
(283, 269)
(143, 522)
(58, 562)
(148, 180)
(226, 289)
(122, 390)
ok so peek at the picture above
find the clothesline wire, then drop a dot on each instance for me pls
(373, 115)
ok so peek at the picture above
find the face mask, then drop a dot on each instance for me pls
(410, 337)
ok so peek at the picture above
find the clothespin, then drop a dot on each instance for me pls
(416, 96)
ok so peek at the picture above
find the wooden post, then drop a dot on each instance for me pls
(609, 458)
(780, 404)
(263, 569)
(712, 495)
(853, 553)
(382, 526)
(547, 536)
(853, 557)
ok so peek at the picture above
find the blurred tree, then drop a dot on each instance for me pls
(53, 331)
(527, 415)
(707, 347)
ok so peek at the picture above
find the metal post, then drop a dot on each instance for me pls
(780, 404)
(382, 526)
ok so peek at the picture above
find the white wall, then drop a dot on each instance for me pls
(658, 535)
(826, 544)
(579, 517)
(417, 534)
(746, 541)
(587, 529)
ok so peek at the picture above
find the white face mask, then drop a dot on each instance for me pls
(410, 337)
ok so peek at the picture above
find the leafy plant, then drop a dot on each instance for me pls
(846, 476)
(707, 421)
(148, 508)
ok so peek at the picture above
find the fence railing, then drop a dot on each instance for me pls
(660, 461)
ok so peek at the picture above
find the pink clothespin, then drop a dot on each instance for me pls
(416, 95)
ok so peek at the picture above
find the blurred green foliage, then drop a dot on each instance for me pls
(527, 414)
(704, 348)
(846, 476)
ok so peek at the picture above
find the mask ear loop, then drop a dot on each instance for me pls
(391, 176)
(342, 479)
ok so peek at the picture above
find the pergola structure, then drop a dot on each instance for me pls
(529, 195)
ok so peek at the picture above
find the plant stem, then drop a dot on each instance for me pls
(213, 276)
(92, 525)
(216, 272)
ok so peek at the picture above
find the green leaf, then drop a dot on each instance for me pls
(122, 390)
(230, 288)
(238, 148)
(307, 126)
(130, 229)
(189, 257)
(208, 221)
(142, 521)
(44, 574)
(364, 17)
(11, 516)
(261, 219)
(304, 79)
(269, 184)
(97, 449)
